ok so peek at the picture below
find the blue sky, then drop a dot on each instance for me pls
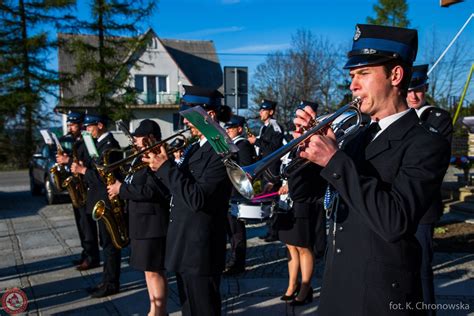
(259, 27)
(244, 31)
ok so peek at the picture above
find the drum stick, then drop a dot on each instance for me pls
(263, 196)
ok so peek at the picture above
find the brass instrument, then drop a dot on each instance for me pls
(74, 184)
(247, 128)
(58, 171)
(169, 149)
(114, 217)
(241, 177)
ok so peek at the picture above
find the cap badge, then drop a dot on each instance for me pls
(357, 33)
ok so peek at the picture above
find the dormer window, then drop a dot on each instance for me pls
(153, 44)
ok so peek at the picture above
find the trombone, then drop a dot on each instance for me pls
(164, 142)
(242, 178)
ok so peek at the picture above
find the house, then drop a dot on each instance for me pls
(157, 72)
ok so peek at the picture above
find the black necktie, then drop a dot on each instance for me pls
(370, 133)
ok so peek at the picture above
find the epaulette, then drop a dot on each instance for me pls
(428, 127)
(275, 126)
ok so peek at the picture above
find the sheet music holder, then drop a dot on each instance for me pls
(214, 133)
(90, 145)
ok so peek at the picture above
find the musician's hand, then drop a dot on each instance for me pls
(62, 159)
(267, 188)
(321, 148)
(283, 190)
(155, 161)
(177, 155)
(252, 139)
(78, 168)
(302, 120)
(114, 189)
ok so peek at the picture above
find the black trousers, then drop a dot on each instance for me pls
(112, 257)
(238, 241)
(77, 217)
(199, 295)
(424, 235)
(91, 242)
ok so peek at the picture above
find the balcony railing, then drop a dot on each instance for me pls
(158, 98)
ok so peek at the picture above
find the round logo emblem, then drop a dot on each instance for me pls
(14, 301)
(357, 33)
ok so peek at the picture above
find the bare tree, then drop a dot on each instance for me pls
(306, 71)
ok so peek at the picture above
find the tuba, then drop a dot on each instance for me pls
(74, 184)
(242, 178)
(113, 217)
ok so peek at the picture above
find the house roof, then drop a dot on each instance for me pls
(196, 59)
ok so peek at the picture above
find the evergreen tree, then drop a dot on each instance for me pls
(103, 58)
(25, 78)
(390, 13)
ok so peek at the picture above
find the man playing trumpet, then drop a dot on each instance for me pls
(380, 183)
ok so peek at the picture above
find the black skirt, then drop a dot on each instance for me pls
(301, 231)
(148, 254)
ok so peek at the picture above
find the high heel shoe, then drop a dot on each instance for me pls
(308, 299)
(292, 295)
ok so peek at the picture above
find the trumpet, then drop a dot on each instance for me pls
(242, 178)
(169, 149)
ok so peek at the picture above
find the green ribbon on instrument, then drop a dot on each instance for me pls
(214, 133)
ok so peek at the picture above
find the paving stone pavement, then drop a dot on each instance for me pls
(38, 242)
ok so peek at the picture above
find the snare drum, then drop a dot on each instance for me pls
(251, 211)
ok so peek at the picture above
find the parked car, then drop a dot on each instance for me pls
(41, 179)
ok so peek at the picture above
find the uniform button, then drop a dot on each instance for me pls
(338, 250)
(395, 285)
(192, 171)
(340, 228)
(171, 220)
(336, 175)
(172, 205)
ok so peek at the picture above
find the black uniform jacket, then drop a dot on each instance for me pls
(244, 157)
(196, 239)
(373, 257)
(269, 141)
(147, 204)
(96, 187)
(439, 120)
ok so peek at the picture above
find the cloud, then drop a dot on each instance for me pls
(230, 1)
(207, 32)
(257, 48)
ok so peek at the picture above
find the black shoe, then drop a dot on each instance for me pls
(308, 299)
(87, 265)
(232, 270)
(271, 238)
(105, 290)
(77, 262)
(92, 289)
(292, 296)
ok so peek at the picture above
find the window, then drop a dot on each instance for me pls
(162, 84)
(139, 83)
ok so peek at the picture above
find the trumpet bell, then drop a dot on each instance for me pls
(241, 180)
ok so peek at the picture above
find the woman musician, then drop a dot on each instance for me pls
(147, 205)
